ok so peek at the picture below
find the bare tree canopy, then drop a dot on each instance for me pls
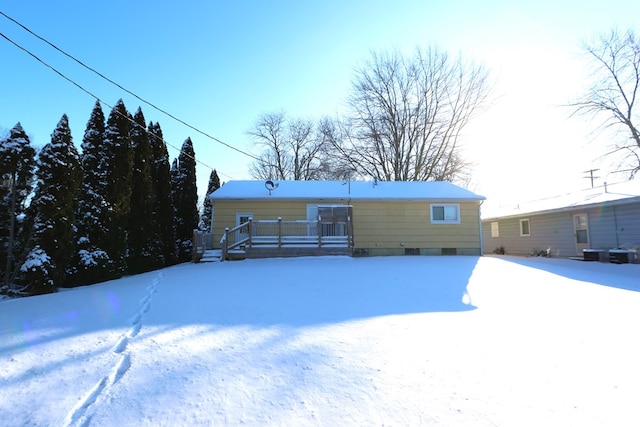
(613, 93)
(404, 123)
(407, 115)
(292, 148)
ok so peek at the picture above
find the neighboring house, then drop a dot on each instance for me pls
(364, 218)
(603, 218)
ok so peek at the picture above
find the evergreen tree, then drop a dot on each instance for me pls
(92, 263)
(17, 164)
(207, 213)
(143, 251)
(174, 172)
(185, 200)
(53, 211)
(162, 197)
(117, 191)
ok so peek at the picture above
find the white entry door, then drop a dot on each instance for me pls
(581, 232)
(241, 218)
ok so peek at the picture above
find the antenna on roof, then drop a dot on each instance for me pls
(270, 185)
(347, 181)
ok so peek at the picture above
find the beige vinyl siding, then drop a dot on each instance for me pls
(376, 225)
(389, 224)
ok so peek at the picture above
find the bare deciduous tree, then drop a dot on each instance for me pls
(613, 93)
(268, 133)
(333, 164)
(407, 115)
(292, 148)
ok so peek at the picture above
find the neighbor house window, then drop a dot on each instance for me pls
(525, 227)
(495, 229)
(445, 214)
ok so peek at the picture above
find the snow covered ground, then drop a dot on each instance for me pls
(331, 341)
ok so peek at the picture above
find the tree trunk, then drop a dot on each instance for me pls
(12, 226)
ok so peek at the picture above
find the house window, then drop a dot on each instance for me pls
(445, 214)
(525, 227)
(495, 229)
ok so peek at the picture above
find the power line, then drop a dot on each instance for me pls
(117, 85)
(127, 90)
(96, 97)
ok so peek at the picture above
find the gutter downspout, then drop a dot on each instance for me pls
(480, 227)
(615, 223)
(615, 219)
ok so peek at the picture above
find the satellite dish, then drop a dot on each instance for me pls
(270, 185)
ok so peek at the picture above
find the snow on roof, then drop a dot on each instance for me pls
(619, 193)
(347, 190)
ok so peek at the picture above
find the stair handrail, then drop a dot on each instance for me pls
(201, 242)
(223, 245)
(224, 241)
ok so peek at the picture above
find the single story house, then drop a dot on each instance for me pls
(603, 218)
(288, 218)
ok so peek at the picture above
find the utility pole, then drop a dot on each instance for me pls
(591, 177)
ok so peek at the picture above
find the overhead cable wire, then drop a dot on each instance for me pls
(82, 88)
(127, 90)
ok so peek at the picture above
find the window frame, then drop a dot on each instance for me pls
(444, 206)
(240, 215)
(528, 222)
(495, 229)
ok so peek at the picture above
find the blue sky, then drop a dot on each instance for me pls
(219, 65)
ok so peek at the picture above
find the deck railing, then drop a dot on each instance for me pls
(279, 233)
(234, 238)
(202, 241)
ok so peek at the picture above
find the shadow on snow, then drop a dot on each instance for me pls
(293, 292)
(327, 290)
(623, 276)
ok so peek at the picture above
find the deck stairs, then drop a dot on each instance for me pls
(210, 255)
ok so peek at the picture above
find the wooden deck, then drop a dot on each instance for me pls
(278, 238)
(289, 251)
